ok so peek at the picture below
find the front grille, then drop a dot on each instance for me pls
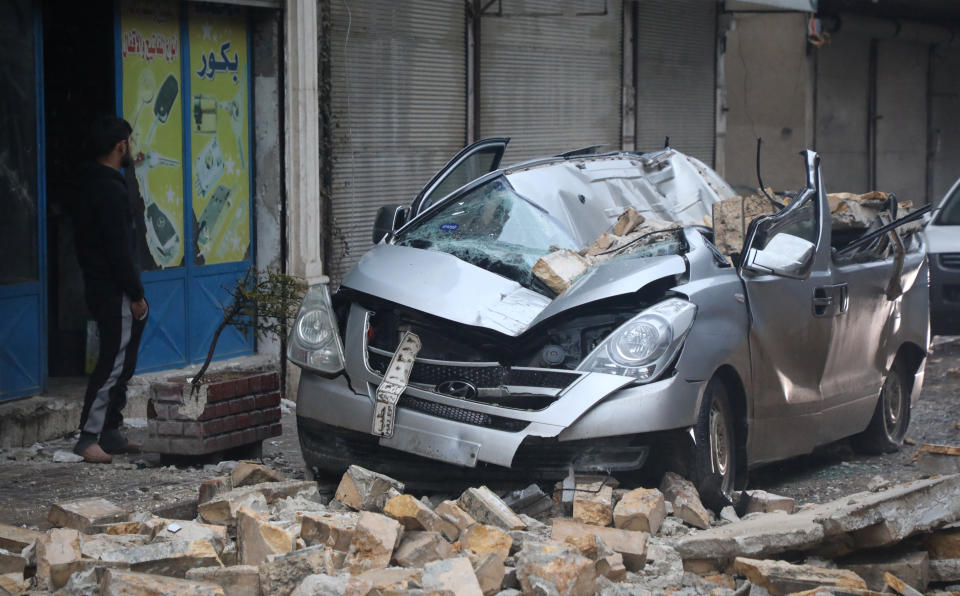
(950, 260)
(461, 415)
(479, 376)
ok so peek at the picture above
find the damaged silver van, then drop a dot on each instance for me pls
(451, 346)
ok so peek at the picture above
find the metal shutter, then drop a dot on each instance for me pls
(550, 75)
(398, 73)
(676, 76)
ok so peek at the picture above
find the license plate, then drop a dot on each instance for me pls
(438, 447)
(393, 384)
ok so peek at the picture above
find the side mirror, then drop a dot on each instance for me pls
(389, 219)
(784, 254)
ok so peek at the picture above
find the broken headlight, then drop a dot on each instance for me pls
(315, 341)
(644, 346)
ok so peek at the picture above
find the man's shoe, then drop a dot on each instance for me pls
(94, 454)
(130, 446)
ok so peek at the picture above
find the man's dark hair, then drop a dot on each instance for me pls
(105, 133)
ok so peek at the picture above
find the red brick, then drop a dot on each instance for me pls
(271, 383)
(213, 427)
(192, 429)
(221, 391)
(270, 415)
(241, 386)
(170, 427)
(268, 400)
(276, 430)
(255, 383)
(243, 420)
(249, 435)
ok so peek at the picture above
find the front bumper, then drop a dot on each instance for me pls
(944, 293)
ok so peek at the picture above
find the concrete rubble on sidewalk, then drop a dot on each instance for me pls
(257, 534)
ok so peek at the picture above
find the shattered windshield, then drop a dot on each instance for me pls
(492, 227)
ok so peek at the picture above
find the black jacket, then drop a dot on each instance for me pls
(104, 231)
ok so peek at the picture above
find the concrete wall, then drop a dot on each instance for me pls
(769, 75)
(944, 121)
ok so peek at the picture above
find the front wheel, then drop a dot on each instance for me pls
(890, 418)
(714, 455)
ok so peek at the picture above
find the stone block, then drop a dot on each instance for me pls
(612, 567)
(481, 539)
(932, 462)
(453, 513)
(641, 510)
(781, 578)
(115, 529)
(363, 490)
(15, 538)
(13, 583)
(486, 507)
(451, 576)
(257, 539)
(762, 535)
(125, 583)
(81, 513)
(249, 473)
(11, 562)
(560, 268)
(415, 515)
(374, 539)
(392, 579)
(627, 221)
(419, 548)
(913, 568)
(683, 495)
(332, 529)
(326, 585)
(593, 503)
(945, 570)
(899, 586)
(550, 567)
(632, 545)
(222, 509)
(58, 556)
(489, 570)
(213, 487)
(238, 580)
(160, 529)
(282, 574)
(764, 502)
(944, 544)
(94, 546)
(172, 558)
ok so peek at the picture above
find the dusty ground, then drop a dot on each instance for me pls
(30, 481)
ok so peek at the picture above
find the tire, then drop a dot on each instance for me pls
(714, 458)
(891, 417)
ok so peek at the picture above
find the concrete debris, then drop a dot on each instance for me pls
(553, 568)
(451, 576)
(489, 570)
(92, 547)
(59, 555)
(258, 539)
(363, 490)
(530, 501)
(11, 562)
(482, 539)
(944, 544)
(222, 509)
(593, 503)
(238, 580)
(62, 456)
(559, 269)
(283, 573)
(627, 221)
(912, 568)
(945, 570)
(732, 217)
(451, 512)
(781, 578)
(374, 539)
(331, 529)
(641, 509)
(124, 583)
(683, 495)
(248, 473)
(419, 548)
(172, 558)
(81, 513)
(632, 545)
(213, 487)
(414, 515)
(392, 579)
(899, 586)
(325, 585)
(486, 507)
(764, 502)
(937, 459)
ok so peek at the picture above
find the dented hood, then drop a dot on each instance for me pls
(442, 285)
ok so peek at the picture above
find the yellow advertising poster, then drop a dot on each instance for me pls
(151, 95)
(219, 133)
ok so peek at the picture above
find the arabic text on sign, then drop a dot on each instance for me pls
(148, 48)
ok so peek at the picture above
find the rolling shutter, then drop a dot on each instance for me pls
(550, 75)
(676, 76)
(398, 73)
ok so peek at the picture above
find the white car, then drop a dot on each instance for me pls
(943, 251)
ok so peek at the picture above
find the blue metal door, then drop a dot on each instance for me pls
(22, 232)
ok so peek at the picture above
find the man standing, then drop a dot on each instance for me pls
(106, 248)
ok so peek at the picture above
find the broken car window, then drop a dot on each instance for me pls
(493, 227)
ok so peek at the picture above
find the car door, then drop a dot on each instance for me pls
(787, 276)
(475, 160)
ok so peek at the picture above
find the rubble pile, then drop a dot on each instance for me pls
(259, 534)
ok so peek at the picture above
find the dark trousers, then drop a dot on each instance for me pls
(120, 336)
